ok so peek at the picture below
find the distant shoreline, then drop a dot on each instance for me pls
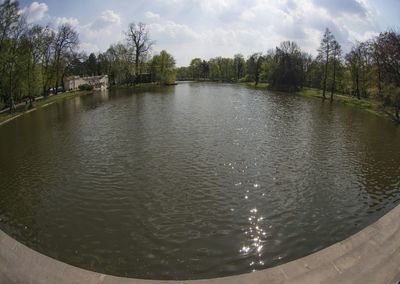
(369, 105)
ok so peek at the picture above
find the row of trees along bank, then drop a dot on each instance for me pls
(35, 59)
(370, 70)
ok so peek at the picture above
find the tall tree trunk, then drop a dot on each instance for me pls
(12, 105)
(137, 55)
(56, 86)
(31, 81)
(57, 66)
(257, 79)
(379, 82)
(325, 75)
(358, 87)
(334, 79)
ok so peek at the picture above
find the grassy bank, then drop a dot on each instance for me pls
(369, 105)
(5, 117)
(137, 86)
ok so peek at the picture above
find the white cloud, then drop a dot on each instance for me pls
(215, 5)
(171, 31)
(109, 23)
(97, 36)
(89, 47)
(152, 16)
(106, 21)
(362, 36)
(74, 22)
(34, 12)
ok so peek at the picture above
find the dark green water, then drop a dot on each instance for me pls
(194, 181)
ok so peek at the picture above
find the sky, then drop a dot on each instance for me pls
(210, 28)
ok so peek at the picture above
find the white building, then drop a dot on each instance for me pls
(72, 83)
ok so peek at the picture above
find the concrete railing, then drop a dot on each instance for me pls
(370, 256)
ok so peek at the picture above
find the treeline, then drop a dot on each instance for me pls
(130, 62)
(35, 59)
(370, 70)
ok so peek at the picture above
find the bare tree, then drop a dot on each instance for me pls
(46, 50)
(66, 40)
(138, 38)
(336, 53)
(387, 49)
(324, 54)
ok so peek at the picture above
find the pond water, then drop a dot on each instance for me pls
(193, 181)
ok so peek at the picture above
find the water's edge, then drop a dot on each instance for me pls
(370, 256)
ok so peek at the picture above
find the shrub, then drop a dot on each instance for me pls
(85, 87)
(245, 79)
(168, 77)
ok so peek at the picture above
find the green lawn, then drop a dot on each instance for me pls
(370, 105)
(136, 86)
(4, 117)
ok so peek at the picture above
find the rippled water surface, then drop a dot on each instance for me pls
(194, 181)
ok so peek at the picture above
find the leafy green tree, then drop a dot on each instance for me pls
(162, 66)
(9, 16)
(307, 63)
(214, 69)
(195, 68)
(13, 60)
(121, 67)
(239, 65)
(254, 64)
(183, 73)
(10, 31)
(287, 73)
(205, 69)
(91, 65)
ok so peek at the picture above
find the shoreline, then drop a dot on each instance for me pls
(6, 117)
(370, 105)
(370, 256)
